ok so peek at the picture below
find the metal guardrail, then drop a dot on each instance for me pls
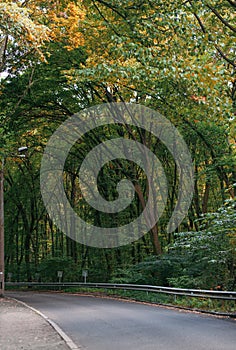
(197, 293)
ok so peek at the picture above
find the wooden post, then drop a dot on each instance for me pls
(2, 265)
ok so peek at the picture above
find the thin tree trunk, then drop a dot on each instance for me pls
(154, 229)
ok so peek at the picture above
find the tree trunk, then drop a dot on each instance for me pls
(154, 229)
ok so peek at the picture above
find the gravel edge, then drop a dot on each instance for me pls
(69, 342)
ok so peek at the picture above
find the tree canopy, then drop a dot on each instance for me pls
(178, 58)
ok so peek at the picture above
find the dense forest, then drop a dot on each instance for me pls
(60, 57)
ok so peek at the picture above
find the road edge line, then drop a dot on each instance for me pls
(69, 342)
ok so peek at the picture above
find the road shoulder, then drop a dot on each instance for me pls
(22, 328)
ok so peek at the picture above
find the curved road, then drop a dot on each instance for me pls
(107, 324)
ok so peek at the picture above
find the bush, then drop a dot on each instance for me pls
(48, 269)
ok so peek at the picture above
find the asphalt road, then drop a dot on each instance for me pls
(106, 324)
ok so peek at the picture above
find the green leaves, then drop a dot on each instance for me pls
(208, 255)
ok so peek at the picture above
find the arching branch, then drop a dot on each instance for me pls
(233, 3)
(218, 15)
(3, 49)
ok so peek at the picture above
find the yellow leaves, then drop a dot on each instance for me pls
(131, 62)
(31, 24)
(65, 25)
(17, 22)
(205, 74)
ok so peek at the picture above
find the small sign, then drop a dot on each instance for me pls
(85, 273)
(59, 275)
(9, 275)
